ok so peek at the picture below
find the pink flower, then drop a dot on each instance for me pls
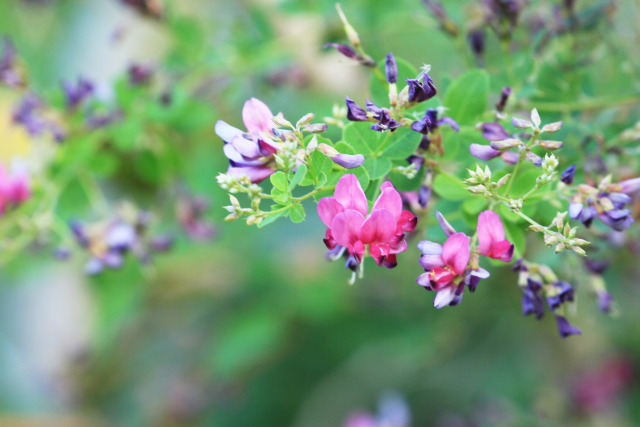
(250, 153)
(15, 188)
(491, 240)
(445, 267)
(350, 225)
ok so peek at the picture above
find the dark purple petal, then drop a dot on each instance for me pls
(568, 174)
(563, 295)
(391, 69)
(504, 97)
(343, 49)
(565, 328)
(355, 113)
(424, 195)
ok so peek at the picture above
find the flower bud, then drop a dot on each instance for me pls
(551, 145)
(305, 120)
(391, 68)
(505, 144)
(535, 118)
(521, 123)
(552, 127)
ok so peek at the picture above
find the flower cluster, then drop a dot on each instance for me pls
(108, 242)
(539, 285)
(351, 225)
(502, 143)
(608, 202)
(451, 267)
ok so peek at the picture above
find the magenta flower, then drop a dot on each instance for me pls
(350, 225)
(445, 267)
(491, 239)
(250, 153)
(15, 188)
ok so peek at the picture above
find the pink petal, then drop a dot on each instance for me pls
(328, 208)
(455, 252)
(389, 200)
(380, 227)
(503, 251)
(346, 226)
(350, 195)
(407, 221)
(257, 116)
(490, 231)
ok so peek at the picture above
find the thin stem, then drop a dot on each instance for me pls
(513, 175)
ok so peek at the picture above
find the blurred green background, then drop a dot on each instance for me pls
(255, 328)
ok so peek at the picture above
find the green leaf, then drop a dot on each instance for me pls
(402, 183)
(360, 136)
(467, 97)
(296, 213)
(362, 175)
(280, 197)
(298, 176)
(377, 167)
(474, 205)
(273, 217)
(279, 181)
(446, 188)
(402, 144)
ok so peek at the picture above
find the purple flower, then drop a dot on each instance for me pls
(589, 203)
(430, 122)
(28, 113)
(565, 328)
(477, 41)
(77, 93)
(504, 97)
(494, 132)
(391, 69)
(348, 51)
(347, 161)
(355, 113)
(344, 49)
(140, 74)
(560, 292)
(483, 152)
(568, 174)
(9, 72)
(190, 212)
(421, 89)
(250, 153)
(532, 299)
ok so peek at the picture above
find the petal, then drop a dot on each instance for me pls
(494, 132)
(255, 173)
(575, 209)
(430, 248)
(483, 152)
(455, 252)
(490, 231)
(444, 224)
(389, 200)
(328, 208)
(380, 227)
(429, 262)
(502, 250)
(257, 116)
(510, 157)
(407, 221)
(350, 195)
(444, 297)
(246, 147)
(346, 226)
(227, 132)
(424, 280)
